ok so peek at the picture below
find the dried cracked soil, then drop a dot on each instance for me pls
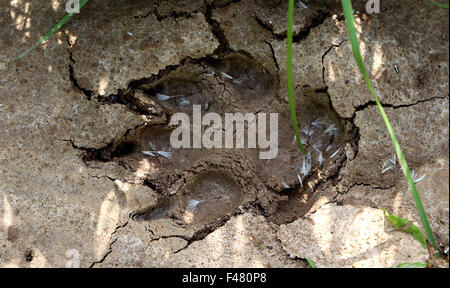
(77, 113)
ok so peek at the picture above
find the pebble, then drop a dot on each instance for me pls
(12, 233)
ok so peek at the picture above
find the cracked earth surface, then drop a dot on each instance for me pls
(76, 114)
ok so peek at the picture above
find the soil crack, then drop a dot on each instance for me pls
(387, 105)
(224, 45)
(323, 59)
(366, 185)
(73, 79)
(118, 228)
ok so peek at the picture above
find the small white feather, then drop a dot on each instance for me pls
(149, 153)
(335, 153)
(420, 178)
(152, 145)
(318, 123)
(329, 147)
(226, 75)
(184, 102)
(162, 97)
(165, 154)
(417, 178)
(331, 130)
(316, 147)
(320, 158)
(300, 180)
(386, 167)
(393, 159)
(238, 81)
(301, 5)
(308, 131)
(192, 205)
(306, 164)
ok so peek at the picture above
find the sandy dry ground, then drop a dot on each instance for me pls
(76, 114)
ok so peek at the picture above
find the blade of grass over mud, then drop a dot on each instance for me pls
(51, 32)
(406, 226)
(311, 263)
(350, 22)
(438, 4)
(411, 265)
(290, 80)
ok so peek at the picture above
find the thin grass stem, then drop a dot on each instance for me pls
(438, 4)
(290, 80)
(350, 22)
(51, 32)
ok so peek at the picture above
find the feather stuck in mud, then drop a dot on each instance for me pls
(193, 204)
(226, 75)
(162, 97)
(335, 153)
(417, 178)
(183, 100)
(154, 152)
(166, 154)
(301, 5)
(389, 164)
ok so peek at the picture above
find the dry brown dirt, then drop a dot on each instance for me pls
(77, 113)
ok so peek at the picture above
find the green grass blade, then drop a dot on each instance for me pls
(406, 226)
(311, 263)
(290, 80)
(350, 22)
(51, 32)
(411, 265)
(438, 4)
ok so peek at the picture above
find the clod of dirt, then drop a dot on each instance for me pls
(12, 233)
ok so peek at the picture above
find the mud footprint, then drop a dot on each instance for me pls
(208, 197)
